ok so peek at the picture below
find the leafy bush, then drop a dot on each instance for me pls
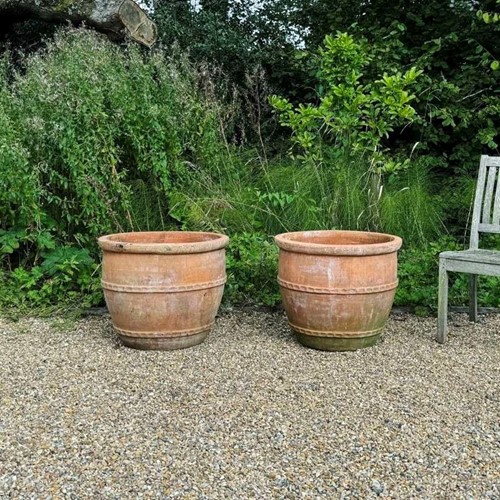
(252, 268)
(93, 137)
(418, 275)
(353, 178)
(64, 276)
(352, 115)
(235, 36)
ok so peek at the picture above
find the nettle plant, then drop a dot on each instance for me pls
(352, 116)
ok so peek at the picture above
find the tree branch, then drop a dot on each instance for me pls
(119, 18)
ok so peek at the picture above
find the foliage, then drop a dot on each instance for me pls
(443, 35)
(418, 285)
(456, 101)
(98, 138)
(236, 36)
(354, 181)
(92, 139)
(352, 116)
(252, 269)
(65, 279)
(418, 271)
(491, 17)
(457, 111)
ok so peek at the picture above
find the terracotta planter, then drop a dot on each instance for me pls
(163, 289)
(337, 286)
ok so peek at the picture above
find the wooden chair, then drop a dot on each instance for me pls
(475, 261)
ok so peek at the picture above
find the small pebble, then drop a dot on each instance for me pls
(377, 487)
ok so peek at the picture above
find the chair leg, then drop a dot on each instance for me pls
(442, 332)
(473, 297)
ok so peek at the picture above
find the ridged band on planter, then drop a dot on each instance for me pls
(337, 286)
(338, 291)
(163, 289)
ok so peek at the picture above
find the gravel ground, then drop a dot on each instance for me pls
(250, 413)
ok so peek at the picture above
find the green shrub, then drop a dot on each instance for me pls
(65, 279)
(353, 115)
(252, 268)
(93, 139)
(343, 176)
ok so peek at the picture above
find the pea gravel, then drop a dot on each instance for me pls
(250, 413)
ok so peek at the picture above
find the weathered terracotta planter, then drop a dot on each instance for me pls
(337, 286)
(163, 289)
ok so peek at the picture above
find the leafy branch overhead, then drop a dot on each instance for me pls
(491, 18)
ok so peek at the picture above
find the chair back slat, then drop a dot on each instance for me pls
(488, 195)
(486, 213)
(489, 228)
(496, 205)
(478, 201)
(492, 161)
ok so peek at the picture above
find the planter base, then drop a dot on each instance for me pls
(336, 343)
(165, 343)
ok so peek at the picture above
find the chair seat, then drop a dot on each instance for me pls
(474, 255)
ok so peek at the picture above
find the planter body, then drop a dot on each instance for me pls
(337, 286)
(163, 289)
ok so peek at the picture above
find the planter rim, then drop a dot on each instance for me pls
(144, 242)
(370, 243)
